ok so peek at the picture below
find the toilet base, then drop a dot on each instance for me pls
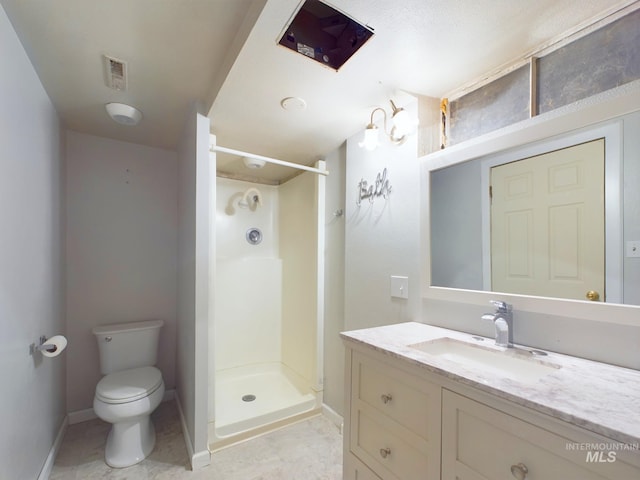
(130, 442)
(132, 435)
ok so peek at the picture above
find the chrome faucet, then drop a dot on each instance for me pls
(503, 321)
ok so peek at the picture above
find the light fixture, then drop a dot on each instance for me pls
(293, 103)
(253, 163)
(123, 114)
(402, 125)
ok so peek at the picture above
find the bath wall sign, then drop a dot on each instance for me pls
(380, 188)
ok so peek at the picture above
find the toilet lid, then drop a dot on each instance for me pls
(128, 385)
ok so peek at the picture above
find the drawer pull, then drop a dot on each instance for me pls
(519, 471)
(386, 398)
(385, 452)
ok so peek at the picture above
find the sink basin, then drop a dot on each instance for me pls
(516, 363)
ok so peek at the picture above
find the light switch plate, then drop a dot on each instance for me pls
(633, 248)
(399, 287)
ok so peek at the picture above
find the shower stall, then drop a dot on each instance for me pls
(267, 290)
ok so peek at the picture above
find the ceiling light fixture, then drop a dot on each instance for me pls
(124, 114)
(253, 163)
(402, 125)
(293, 103)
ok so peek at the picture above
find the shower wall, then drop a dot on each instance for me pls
(267, 322)
(299, 252)
(248, 307)
(231, 225)
(267, 294)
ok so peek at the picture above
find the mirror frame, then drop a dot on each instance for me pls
(604, 107)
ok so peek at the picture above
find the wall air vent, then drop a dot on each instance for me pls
(324, 34)
(115, 73)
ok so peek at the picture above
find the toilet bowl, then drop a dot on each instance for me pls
(126, 400)
(130, 390)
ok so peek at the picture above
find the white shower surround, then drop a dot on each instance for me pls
(248, 311)
(278, 395)
(258, 339)
(248, 279)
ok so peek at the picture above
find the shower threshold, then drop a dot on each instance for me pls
(251, 397)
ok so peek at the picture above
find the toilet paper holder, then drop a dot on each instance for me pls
(33, 348)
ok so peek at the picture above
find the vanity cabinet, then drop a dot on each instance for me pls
(480, 442)
(403, 422)
(394, 422)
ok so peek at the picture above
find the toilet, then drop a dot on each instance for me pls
(130, 390)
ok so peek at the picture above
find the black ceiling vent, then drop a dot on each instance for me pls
(324, 34)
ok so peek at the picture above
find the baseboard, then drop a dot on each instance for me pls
(334, 416)
(87, 414)
(169, 395)
(51, 458)
(80, 416)
(198, 459)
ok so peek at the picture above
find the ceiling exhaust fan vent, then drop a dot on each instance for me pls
(116, 73)
(328, 36)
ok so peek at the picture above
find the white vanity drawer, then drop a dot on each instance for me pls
(409, 400)
(387, 451)
(480, 442)
(394, 420)
(356, 470)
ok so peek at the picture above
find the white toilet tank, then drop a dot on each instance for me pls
(127, 345)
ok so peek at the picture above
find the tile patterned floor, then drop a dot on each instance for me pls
(308, 450)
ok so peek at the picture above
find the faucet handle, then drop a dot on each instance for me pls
(502, 307)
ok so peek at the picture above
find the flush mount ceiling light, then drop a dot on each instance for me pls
(253, 163)
(124, 114)
(402, 125)
(293, 104)
(324, 34)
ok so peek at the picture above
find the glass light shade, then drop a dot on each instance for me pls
(402, 122)
(124, 114)
(370, 140)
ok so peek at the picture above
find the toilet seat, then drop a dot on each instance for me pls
(128, 385)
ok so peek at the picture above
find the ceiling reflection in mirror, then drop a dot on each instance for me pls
(569, 230)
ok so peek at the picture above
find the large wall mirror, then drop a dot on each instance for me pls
(546, 214)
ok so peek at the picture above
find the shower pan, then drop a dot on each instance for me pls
(266, 352)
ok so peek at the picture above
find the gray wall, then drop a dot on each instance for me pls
(192, 362)
(334, 281)
(121, 250)
(456, 226)
(600, 341)
(32, 404)
(382, 238)
(366, 245)
(631, 171)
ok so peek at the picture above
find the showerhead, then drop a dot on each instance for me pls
(252, 198)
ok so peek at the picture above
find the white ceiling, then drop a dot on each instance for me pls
(224, 54)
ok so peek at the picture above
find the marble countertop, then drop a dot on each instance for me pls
(599, 397)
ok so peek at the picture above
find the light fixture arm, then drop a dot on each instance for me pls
(402, 126)
(396, 113)
(384, 114)
(392, 135)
